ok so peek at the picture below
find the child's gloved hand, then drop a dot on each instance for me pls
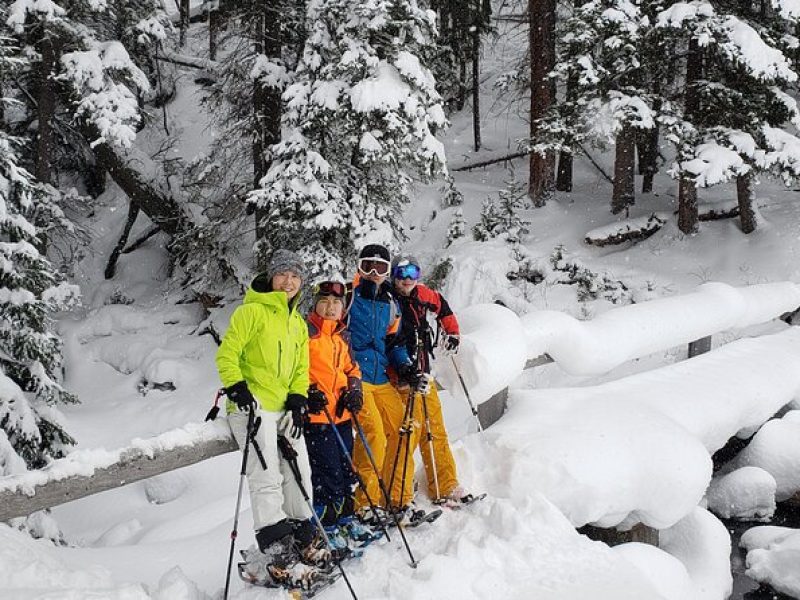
(316, 401)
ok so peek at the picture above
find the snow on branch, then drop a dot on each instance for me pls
(106, 102)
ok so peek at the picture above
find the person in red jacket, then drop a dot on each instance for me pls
(416, 302)
(335, 385)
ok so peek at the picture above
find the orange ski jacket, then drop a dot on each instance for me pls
(331, 364)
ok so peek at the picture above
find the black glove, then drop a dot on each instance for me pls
(351, 397)
(408, 375)
(240, 394)
(292, 422)
(451, 343)
(317, 401)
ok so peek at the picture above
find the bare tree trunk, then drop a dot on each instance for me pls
(214, 26)
(688, 218)
(565, 159)
(687, 205)
(541, 15)
(747, 199)
(476, 71)
(46, 108)
(267, 113)
(185, 11)
(111, 266)
(564, 174)
(624, 193)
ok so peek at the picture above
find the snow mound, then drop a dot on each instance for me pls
(667, 574)
(31, 569)
(165, 488)
(702, 543)
(492, 353)
(776, 449)
(774, 558)
(602, 462)
(747, 494)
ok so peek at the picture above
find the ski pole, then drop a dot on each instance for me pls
(290, 455)
(430, 447)
(252, 427)
(402, 431)
(382, 485)
(466, 393)
(409, 430)
(355, 472)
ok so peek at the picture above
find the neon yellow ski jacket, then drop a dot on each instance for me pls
(266, 345)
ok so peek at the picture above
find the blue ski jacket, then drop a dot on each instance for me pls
(373, 320)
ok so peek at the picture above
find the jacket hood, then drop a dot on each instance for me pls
(260, 292)
(326, 326)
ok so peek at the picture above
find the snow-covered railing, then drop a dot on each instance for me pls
(497, 346)
(622, 334)
(86, 472)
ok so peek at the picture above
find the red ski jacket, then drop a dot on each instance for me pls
(414, 323)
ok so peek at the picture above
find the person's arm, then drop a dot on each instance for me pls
(299, 382)
(396, 342)
(439, 305)
(241, 329)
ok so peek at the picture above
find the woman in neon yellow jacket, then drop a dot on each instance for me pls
(263, 364)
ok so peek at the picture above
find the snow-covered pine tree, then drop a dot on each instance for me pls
(456, 228)
(737, 105)
(30, 353)
(359, 127)
(502, 216)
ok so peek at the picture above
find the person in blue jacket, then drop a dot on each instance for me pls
(373, 320)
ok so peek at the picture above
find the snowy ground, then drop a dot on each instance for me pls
(521, 541)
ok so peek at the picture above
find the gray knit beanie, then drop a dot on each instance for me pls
(282, 260)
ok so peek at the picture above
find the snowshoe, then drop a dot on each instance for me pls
(411, 517)
(299, 579)
(459, 501)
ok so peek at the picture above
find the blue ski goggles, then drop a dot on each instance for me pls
(408, 271)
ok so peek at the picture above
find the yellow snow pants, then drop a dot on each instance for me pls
(445, 464)
(381, 418)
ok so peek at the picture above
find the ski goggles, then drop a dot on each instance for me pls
(374, 266)
(408, 271)
(330, 288)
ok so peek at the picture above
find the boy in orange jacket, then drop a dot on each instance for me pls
(335, 385)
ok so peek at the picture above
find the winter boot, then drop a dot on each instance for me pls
(356, 531)
(410, 514)
(313, 549)
(369, 518)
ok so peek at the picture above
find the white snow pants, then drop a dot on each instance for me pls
(274, 494)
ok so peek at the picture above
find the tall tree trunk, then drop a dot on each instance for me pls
(214, 26)
(267, 113)
(565, 159)
(541, 15)
(624, 193)
(648, 157)
(648, 146)
(476, 71)
(46, 108)
(185, 12)
(688, 219)
(747, 200)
